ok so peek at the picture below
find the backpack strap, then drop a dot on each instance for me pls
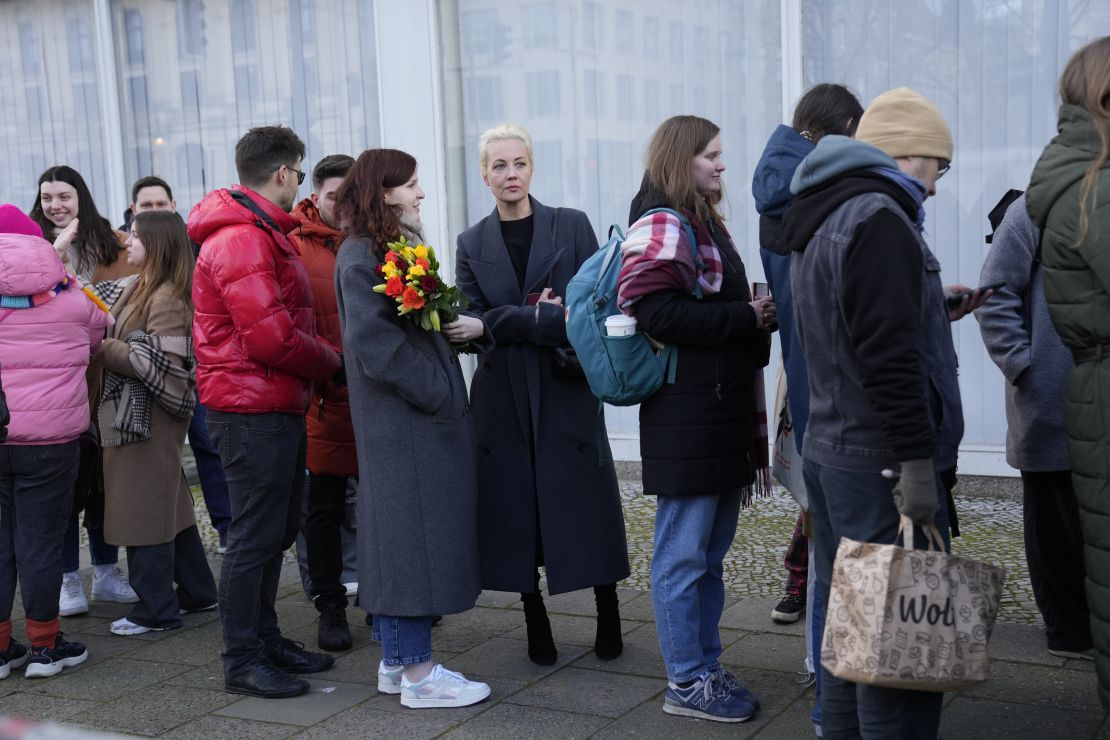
(262, 219)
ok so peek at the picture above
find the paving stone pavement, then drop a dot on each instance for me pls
(169, 684)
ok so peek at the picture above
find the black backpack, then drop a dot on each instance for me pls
(999, 212)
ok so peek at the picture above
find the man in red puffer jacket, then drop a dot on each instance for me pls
(332, 457)
(258, 356)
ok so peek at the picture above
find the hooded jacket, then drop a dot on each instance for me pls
(785, 150)
(871, 315)
(1077, 287)
(47, 348)
(254, 327)
(696, 435)
(331, 438)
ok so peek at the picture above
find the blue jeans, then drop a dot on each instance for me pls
(860, 506)
(209, 469)
(692, 535)
(100, 551)
(405, 640)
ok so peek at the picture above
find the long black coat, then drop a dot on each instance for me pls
(696, 435)
(541, 439)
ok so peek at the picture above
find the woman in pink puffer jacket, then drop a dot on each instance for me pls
(49, 330)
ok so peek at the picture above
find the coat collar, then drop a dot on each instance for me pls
(498, 280)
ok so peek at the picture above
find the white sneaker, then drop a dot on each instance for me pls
(442, 688)
(126, 627)
(389, 678)
(72, 599)
(113, 586)
(352, 588)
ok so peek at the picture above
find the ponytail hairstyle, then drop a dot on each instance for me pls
(169, 258)
(827, 109)
(670, 153)
(1086, 83)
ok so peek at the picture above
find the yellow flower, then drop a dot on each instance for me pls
(408, 253)
(416, 271)
(421, 251)
(390, 270)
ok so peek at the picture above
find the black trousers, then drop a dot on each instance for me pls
(327, 510)
(263, 457)
(1054, 551)
(153, 569)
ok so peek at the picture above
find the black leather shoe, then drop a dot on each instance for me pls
(265, 680)
(291, 657)
(333, 633)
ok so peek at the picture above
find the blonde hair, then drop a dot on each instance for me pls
(1086, 83)
(502, 132)
(670, 152)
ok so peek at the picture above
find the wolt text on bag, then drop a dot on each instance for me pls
(910, 619)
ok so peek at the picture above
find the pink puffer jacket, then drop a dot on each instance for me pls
(45, 350)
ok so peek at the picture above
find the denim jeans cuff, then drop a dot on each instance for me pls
(394, 662)
(689, 676)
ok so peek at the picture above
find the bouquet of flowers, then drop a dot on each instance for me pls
(412, 279)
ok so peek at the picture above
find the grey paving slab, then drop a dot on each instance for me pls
(640, 657)
(458, 633)
(571, 629)
(364, 722)
(580, 602)
(359, 665)
(774, 652)
(637, 608)
(105, 647)
(208, 676)
(153, 710)
(1041, 686)
(1024, 643)
(499, 600)
(33, 705)
(189, 646)
(324, 699)
(584, 691)
(755, 614)
(507, 721)
(108, 680)
(792, 723)
(971, 718)
(509, 659)
(209, 726)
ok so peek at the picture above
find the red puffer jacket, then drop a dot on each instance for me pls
(253, 326)
(331, 439)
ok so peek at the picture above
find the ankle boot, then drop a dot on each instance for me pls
(541, 645)
(608, 644)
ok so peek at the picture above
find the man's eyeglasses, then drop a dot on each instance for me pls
(942, 168)
(300, 175)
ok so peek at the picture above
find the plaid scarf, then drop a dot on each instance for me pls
(656, 256)
(761, 445)
(163, 369)
(109, 291)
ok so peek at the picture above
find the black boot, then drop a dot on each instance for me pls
(608, 643)
(541, 646)
(333, 632)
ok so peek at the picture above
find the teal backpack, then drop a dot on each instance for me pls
(621, 371)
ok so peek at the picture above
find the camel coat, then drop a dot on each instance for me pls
(147, 501)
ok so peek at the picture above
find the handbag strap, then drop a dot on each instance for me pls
(932, 534)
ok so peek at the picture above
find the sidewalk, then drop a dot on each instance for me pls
(170, 684)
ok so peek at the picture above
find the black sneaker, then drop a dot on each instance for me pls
(789, 609)
(291, 657)
(13, 657)
(49, 661)
(333, 633)
(265, 680)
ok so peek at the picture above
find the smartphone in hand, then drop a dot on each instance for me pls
(955, 300)
(761, 290)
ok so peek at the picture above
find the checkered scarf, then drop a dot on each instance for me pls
(164, 370)
(656, 256)
(109, 291)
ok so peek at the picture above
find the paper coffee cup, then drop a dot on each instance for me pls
(620, 326)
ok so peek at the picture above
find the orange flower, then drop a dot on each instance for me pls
(411, 299)
(393, 257)
(394, 286)
(424, 263)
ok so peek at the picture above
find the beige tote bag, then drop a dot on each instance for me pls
(910, 619)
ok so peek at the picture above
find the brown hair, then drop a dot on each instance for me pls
(1086, 83)
(827, 109)
(360, 203)
(670, 152)
(169, 258)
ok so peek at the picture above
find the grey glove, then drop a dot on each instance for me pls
(915, 494)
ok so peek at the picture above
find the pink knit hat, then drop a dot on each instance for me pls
(15, 221)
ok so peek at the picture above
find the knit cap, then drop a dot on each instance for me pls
(15, 221)
(904, 123)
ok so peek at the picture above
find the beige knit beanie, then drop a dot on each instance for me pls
(905, 123)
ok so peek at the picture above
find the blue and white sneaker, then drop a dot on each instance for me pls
(706, 698)
(389, 678)
(732, 685)
(14, 657)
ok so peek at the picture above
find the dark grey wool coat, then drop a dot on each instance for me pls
(520, 406)
(417, 488)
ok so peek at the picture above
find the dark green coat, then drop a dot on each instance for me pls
(1077, 286)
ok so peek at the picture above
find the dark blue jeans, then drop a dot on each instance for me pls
(263, 457)
(36, 499)
(100, 551)
(209, 469)
(860, 506)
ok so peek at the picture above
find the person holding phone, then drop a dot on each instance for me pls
(547, 487)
